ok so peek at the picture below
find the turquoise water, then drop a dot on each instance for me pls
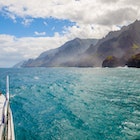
(74, 103)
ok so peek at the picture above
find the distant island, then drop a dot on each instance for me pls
(117, 48)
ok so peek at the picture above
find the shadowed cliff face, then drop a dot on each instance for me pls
(120, 44)
(134, 61)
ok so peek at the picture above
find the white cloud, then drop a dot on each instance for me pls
(27, 22)
(107, 13)
(39, 33)
(15, 49)
(88, 30)
(83, 11)
(45, 23)
(53, 28)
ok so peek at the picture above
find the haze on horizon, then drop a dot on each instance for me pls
(27, 28)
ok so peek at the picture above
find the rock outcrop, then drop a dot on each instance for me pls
(110, 61)
(134, 61)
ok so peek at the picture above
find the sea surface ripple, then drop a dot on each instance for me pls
(74, 103)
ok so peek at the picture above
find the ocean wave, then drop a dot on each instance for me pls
(73, 103)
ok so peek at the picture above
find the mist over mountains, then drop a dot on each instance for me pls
(117, 48)
(69, 54)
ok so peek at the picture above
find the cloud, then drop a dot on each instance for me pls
(53, 28)
(39, 33)
(109, 1)
(118, 16)
(78, 11)
(27, 22)
(14, 50)
(99, 13)
(45, 23)
(88, 30)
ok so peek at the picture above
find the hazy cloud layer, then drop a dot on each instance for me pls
(14, 50)
(93, 18)
(83, 11)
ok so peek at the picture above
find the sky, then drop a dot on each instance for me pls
(30, 27)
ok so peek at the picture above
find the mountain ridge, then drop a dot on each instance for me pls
(119, 45)
(63, 55)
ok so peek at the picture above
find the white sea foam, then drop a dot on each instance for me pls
(36, 77)
(122, 67)
(12, 95)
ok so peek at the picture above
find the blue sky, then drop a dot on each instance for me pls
(28, 28)
(19, 28)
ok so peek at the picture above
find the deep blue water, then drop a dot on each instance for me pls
(74, 103)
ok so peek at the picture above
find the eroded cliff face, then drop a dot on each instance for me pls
(121, 45)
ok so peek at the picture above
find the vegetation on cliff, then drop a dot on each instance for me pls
(110, 61)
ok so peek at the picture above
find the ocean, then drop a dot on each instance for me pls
(74, 103)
